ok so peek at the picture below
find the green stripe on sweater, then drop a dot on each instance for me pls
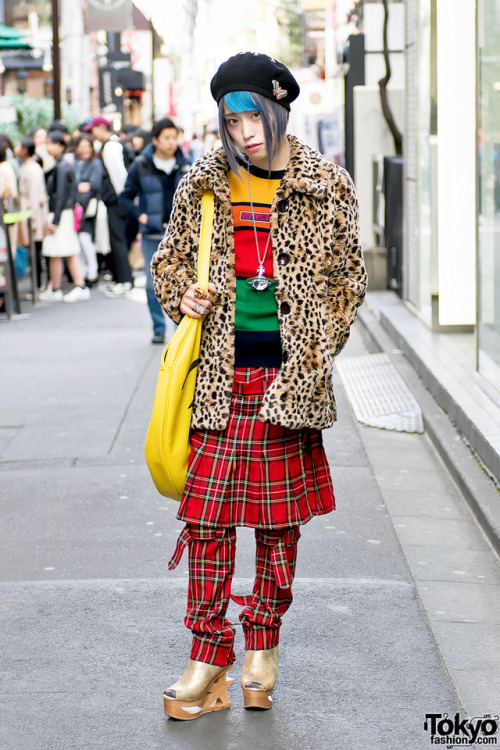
(255, 311)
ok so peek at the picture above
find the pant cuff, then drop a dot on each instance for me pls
(261, 640)
(211, 653)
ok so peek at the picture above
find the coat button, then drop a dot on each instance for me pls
(282, 206)
(284, 308)
(283, 259)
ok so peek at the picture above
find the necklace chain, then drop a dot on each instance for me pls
(260, 269)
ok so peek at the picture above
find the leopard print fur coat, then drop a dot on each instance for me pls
(320, 281)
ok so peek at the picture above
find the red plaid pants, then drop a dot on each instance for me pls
(211, 567)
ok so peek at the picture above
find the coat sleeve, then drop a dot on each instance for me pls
(63, 185)
(132, 189)
(347, 282)
(36, 199)
(113, 158)
(95, 177)
(173, 264)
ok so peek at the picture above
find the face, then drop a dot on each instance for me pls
(54, 149)
(40, 137)
(19, 151)
(166, 143)
(138, 142)
(100, 133)
(247, 131)
(84, 149)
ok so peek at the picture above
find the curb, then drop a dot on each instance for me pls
(473, 481)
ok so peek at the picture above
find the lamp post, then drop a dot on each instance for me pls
(56, 60)
(22, 78)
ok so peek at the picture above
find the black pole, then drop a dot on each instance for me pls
(56, 91)
(355, 77)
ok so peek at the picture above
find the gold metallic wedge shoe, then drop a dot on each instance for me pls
(201, 689)
(258, 677)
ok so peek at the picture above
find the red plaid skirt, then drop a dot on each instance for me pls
(253, 473)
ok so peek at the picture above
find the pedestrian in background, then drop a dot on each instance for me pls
(88, 173)
(148, 194)
(197, 148)
(9, 153)
(184, 144)
(286, 278)
(139, 139)
(126, 131)
(39, 136)
(61, 240)
(9, 191)
(8, 178)
(115, 162)
(33, 197)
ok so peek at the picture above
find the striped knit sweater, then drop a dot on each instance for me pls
(257, 336)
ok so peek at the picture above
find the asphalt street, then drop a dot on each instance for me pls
(396, 609)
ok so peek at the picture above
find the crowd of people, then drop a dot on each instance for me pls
(93, 195)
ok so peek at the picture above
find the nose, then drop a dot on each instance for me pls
(247, 128)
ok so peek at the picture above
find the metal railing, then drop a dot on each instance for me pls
(8, 279)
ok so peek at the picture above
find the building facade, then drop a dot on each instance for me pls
(452, 175)
(488, 202)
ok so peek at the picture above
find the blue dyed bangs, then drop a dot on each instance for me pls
(241, 101)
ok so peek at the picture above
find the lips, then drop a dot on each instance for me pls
(253, 147)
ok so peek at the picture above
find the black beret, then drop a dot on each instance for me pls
(251, 71)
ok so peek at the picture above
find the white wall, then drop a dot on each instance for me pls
(75, 56)
(371, 136)
(456, 28)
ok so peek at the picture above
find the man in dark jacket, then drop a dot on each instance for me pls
(115, 163)
(152, 180)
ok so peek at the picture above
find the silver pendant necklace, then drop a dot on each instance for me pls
(259, 282)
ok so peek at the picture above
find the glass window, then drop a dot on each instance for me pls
(426, 120)
(489, 191)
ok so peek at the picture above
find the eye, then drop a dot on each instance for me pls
(256, 115)
(231, 121)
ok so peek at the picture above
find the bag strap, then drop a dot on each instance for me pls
(207, 220)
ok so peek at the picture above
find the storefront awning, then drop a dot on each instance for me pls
(131, 80)
(13, 38)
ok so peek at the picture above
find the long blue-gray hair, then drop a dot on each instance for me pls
(274, 118)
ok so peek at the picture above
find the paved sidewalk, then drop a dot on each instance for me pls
(379, 633)
(446, 363)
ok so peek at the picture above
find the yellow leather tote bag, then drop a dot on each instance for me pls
(167, 441)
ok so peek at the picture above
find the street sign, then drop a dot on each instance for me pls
(119, 60)
(108, 101)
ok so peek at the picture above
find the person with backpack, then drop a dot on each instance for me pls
(153, 179)
(116, 159)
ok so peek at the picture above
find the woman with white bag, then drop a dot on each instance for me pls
(61, 240)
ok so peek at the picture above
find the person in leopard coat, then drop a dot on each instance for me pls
(286, 279)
